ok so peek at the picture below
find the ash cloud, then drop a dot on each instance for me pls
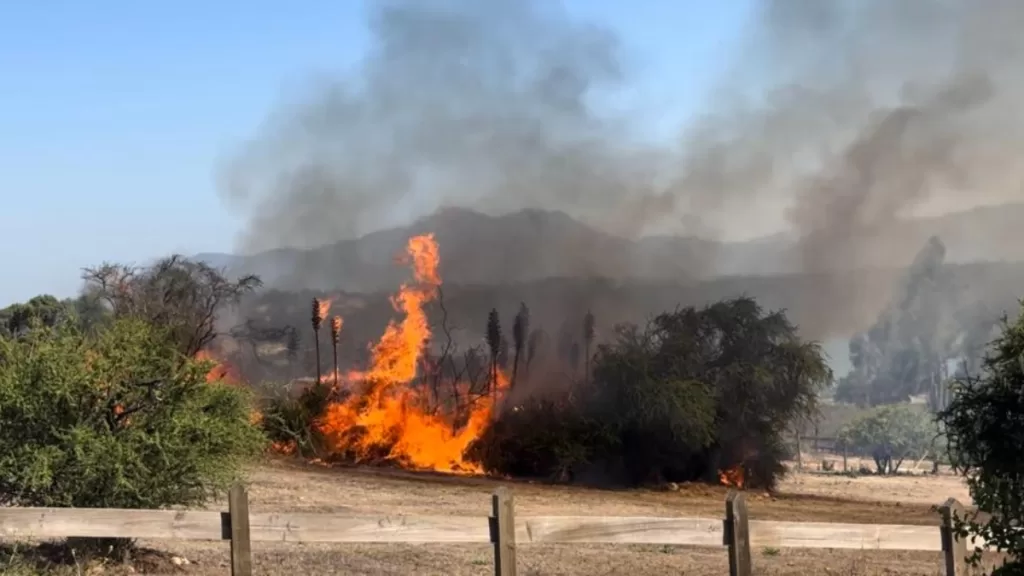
(836, 118)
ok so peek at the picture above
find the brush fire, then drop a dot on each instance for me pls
(384, 412)
(384, 417)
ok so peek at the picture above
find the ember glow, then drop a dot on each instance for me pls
(221, 370)
(732, 477)
(388, 418)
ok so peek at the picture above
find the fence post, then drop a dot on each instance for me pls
(503, 532)
(241, 549)
(737, 534)
(954, 548)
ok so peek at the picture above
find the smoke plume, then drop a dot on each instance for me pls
(835, 119)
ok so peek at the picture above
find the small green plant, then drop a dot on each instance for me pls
(770, 552)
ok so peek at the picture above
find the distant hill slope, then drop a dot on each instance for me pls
(532, 245)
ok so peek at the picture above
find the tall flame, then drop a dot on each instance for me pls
(387, 418)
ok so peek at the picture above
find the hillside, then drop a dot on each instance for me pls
(531, 245)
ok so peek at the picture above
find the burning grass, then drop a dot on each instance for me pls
(383, 415)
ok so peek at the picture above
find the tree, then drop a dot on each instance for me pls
(889, 434)
(520, 328)
(534, 343)
(906, 352)
(117, 419)
(984, 423)
(44, 310)
(588, 342)
(494, 340)
(693, 392)
(182, 296)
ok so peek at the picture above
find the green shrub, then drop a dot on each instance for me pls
(116, 419)
(289, 420)
(543, 437)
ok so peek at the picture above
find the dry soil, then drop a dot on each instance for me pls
(289, 486)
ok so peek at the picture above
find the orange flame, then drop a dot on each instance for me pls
(324, 305)
(732, 477)
(388, 418)
(285, 448)
(221, 371)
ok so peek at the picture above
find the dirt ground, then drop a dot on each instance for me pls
(288, 486)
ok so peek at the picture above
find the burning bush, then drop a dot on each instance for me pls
(696, 392)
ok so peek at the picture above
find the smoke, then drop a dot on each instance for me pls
(929, 323)
(836, 119)
(475, 104)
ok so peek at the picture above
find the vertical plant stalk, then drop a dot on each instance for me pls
(335, 339)
(318, 319)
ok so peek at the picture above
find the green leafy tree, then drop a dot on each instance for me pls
(889, 434)
(116, 419)
(693, 392)
(44, 310)
(984, 424)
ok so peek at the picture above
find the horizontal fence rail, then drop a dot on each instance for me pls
(502, 529)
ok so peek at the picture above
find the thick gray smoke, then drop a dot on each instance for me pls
(837, 118)
(875, 109)
(465, 103)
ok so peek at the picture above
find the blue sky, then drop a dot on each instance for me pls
(115, 114)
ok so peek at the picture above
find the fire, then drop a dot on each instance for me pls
(221, 371)
(732, 477)
(385, 417)
(225, 373)
(324, 306)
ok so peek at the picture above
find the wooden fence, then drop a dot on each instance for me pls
(502, 529)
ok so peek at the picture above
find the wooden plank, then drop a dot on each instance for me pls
(50, 523)
(619, 530)
(241, 547)
(301, 527)
(737, 534)
(503, 532)
(954, 548)
(847, 536)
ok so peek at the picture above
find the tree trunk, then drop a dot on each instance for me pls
(316, 339)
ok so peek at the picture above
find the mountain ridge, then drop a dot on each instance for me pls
(534, 244)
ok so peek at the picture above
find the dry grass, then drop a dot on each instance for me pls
(289, 486)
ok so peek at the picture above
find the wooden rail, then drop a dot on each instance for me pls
(502, 529)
